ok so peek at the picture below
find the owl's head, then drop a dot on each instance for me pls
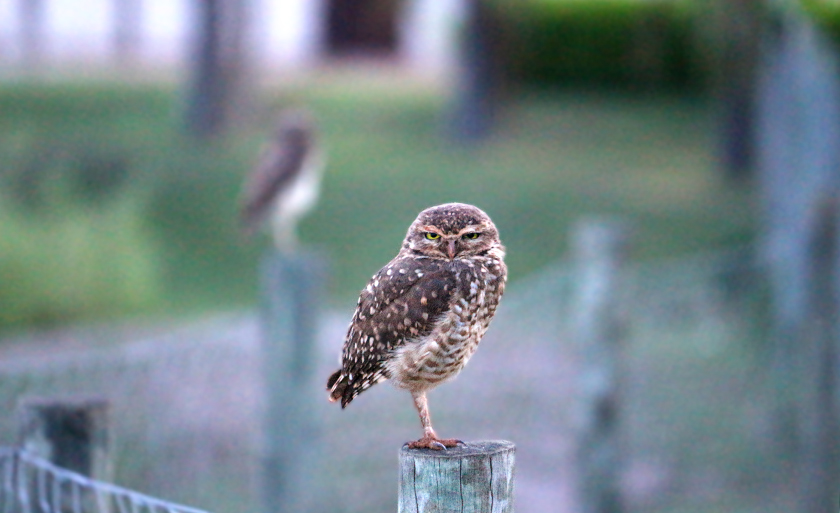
(452, 230)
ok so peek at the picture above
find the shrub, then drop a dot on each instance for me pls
(602, 43)
(79, 263)
(826, 14)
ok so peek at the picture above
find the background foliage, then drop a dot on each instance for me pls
(617, 44)
(106, 210)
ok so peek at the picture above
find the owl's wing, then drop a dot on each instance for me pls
(402, 302)
(279, 163)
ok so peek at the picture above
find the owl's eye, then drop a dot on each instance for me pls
(432, 236)
(470, 235)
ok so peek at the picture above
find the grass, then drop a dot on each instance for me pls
(107, 208)
(553, 160)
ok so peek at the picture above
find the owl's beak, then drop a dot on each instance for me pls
(450, 249)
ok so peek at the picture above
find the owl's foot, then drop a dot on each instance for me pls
(436, 444)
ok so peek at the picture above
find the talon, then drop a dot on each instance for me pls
(435, 444)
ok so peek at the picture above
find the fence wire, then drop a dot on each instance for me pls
(33, 485)
(183, 406)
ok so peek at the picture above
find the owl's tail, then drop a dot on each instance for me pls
(336, 386)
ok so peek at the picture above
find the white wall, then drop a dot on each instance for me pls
(286, 33)
(83, 30)
(429, 31)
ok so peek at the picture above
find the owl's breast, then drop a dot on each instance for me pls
(426, 362)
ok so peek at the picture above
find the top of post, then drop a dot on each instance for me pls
(467, 449)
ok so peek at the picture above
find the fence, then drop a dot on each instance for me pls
(32, 485)
(187, 406)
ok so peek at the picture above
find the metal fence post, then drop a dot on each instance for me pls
(599, 248)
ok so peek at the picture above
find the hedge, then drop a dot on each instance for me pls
(611, 43)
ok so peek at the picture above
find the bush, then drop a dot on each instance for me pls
(79, 263)
(602, 43)
(826, 14)
(105, 210)
(158, 235)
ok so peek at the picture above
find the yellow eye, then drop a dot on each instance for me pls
(470, 235)
(432, 236)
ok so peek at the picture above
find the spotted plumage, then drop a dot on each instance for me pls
(421, 317)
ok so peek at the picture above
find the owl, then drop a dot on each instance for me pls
(421, 317)
(285, 183)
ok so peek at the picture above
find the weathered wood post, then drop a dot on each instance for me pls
(291, 288)
(69, 432)
(798, 157)
(473, 478)
(599, 248)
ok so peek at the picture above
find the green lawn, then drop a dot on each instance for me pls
(107, 210)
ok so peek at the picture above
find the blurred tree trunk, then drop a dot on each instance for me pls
(478, 84)
(361, 26)
(735, 31)
(647, 54)
(127, 22)
(31, 31)
(217, 67)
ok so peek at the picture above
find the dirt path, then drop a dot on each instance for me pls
(516, 388)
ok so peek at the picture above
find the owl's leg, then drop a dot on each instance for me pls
(430, 440)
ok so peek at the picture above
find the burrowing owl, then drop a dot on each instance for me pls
(286, 180)
(420, 318)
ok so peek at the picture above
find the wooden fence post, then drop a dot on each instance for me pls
(291, 292)
(799, 108)
(473, 478)
(70, 433)
(599, 248)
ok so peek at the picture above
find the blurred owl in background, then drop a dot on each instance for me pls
(284, 185)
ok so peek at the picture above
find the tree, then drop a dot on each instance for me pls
(217, 66)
